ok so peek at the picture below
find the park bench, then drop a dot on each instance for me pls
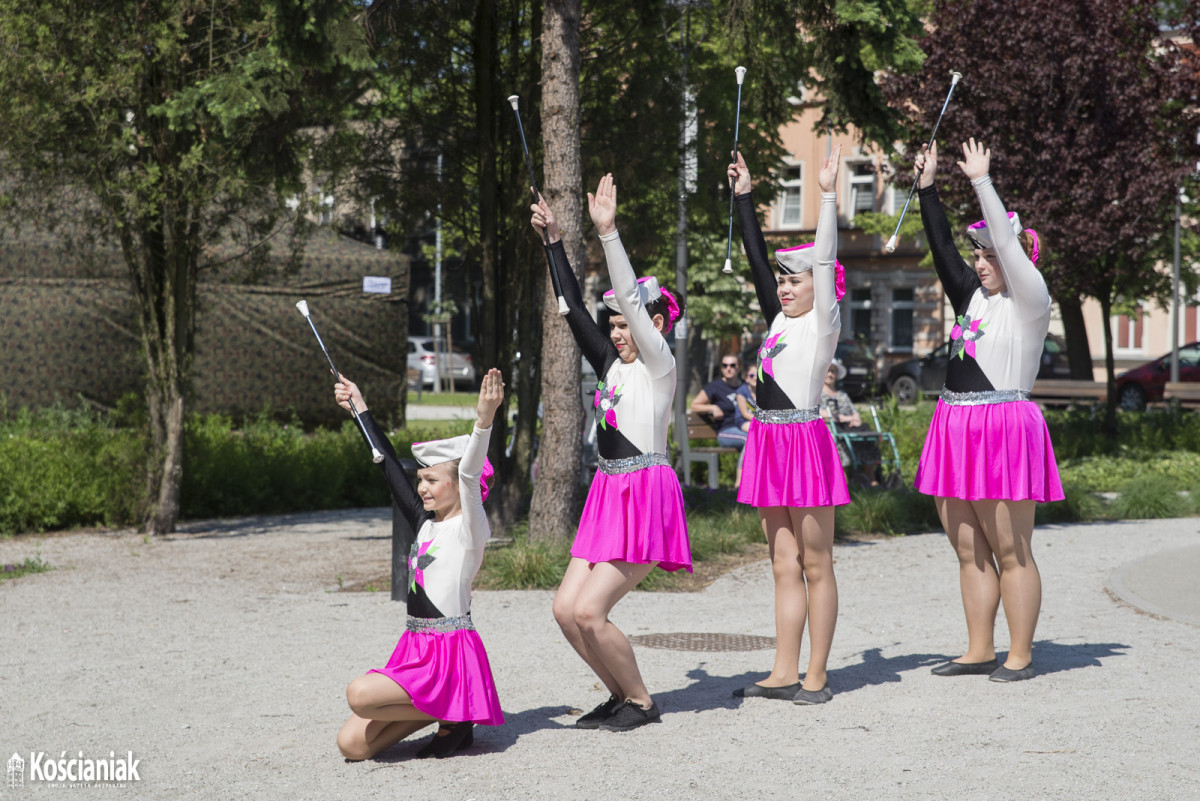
(1061, 392)
(698, 428)
(1185, 393)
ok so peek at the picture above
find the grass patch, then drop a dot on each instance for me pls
(464, 398)
(32, 564)
(1149, 498)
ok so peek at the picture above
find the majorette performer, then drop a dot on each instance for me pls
(439, 671)
(792, 472)
(987, 458)
(633, 518)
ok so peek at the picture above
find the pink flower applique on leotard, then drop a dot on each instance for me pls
(605, 405)
(768, 351)
(964, 335)
(420, 557)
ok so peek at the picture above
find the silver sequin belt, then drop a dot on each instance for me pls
(780, 416)
(630, 464)
(985, 398)
(442, 625)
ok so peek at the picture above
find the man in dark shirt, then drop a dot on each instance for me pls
(717, 403)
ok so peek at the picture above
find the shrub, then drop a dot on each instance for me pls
(1149, 497)
(1079, 506)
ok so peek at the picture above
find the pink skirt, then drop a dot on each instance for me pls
(635, 517)
(995, 451)
(447, 675)
(792, 464)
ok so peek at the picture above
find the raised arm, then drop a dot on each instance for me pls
(1021, 278)
(470, 467)
(958, 280)
(825, 302)
(652, 345)
(346, 392)
(591, 340)
(761, 271)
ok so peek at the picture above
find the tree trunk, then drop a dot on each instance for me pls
(1110, 374)
(552, 514)
(1079, 352)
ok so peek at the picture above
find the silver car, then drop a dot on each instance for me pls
(459, 367)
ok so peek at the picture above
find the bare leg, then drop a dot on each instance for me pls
(608, 583)
(815, 525)
(361, 738)
(791, 596)
(383, 716)
(578, 572)
(978, 578)
(1008, 526)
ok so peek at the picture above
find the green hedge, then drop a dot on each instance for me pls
(65, 468)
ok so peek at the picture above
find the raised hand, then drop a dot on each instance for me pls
(739, 174)
(976, 159)
(926, 164)
(603, 205)
(544, 219)
(491, 395)
(827, 177)
(344, 391)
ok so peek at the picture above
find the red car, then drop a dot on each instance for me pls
(1144, 384)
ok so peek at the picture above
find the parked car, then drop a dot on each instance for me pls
(908, 380)
(861, 377)
(459, 368)
(1144, 384)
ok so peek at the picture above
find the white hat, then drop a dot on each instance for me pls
(647, 287)
(439, 451)
(979, 234)
(841, 368)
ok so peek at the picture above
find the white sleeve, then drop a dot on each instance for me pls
(1021, 278)
(652, 345)
(825, 303)
(470, 473)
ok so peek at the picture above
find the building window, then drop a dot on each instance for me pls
(860, 314)
(1128, 333)
(901, 335)
(862, 189)
(896, 197)
(791, 199)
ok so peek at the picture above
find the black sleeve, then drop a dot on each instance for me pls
(760, 264)
(591, 340)
(958, 279)
(402, 491)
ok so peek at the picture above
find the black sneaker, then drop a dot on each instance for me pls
(629, 716)
(593, 719)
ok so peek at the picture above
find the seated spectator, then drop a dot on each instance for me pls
(717, 403)
(835, 404)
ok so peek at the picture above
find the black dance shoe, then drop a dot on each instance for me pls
(966, 668)
(458, 737)
(593, 719)
(812, 697)
(1004, 674)
(785, 693)
(629, 716)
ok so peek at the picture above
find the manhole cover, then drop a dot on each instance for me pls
(704, 641)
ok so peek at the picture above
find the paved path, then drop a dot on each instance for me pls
(219, 656)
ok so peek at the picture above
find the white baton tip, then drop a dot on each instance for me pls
(955, 77)
(562, 305)
(741, 74)
(376, 456)
(513, 101)
(891, 245)
(728, 268)
(303, 307)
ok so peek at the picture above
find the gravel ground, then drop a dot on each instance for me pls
(219, 657)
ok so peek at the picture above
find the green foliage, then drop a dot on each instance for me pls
(1080, 505)
(32, 564)
(1149, 497)
(1109, 473)
(524, 565)
(889, 512)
